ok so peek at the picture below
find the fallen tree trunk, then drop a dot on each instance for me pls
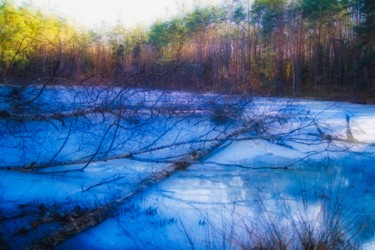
(121, 111)
(94, 217)
(127, 155)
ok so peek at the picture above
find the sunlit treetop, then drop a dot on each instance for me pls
(93, 13)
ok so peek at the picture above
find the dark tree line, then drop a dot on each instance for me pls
(296, 47)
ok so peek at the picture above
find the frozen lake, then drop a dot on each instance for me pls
(111, 168)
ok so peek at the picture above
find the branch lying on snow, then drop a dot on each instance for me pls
(128, 155)
(286, 167)
(126, 110)
(102, 183)
(91, 159)
(253, 125)
(92, 218)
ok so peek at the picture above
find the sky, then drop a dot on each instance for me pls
(91, 13)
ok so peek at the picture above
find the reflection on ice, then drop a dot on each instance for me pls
(211, 206)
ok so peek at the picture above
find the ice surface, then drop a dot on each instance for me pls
(279, 174)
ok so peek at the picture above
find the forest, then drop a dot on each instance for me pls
(240, 125)
(322, 49)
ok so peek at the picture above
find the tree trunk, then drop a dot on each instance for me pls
(94, 217)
